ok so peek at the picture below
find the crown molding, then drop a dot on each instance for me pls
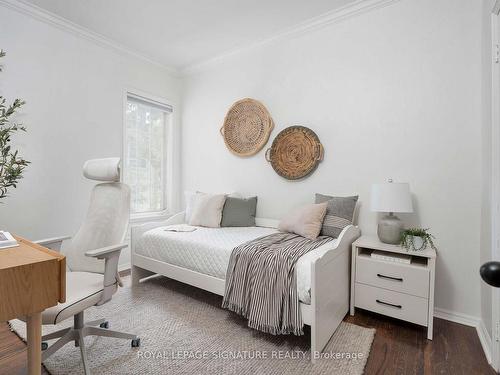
(52, 19)
(335, 16)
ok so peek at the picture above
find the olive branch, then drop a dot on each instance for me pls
(12, 165)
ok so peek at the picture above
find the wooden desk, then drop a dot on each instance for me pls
(32, 278)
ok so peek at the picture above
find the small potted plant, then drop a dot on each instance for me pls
(416, 239)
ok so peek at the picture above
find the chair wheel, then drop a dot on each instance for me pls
(136, 343)
(45, 346)
(104, 325)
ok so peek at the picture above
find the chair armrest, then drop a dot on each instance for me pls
(111, 255)
(106, 252)
(53, 243)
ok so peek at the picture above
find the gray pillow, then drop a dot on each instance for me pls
(239, 212)
(339, 213)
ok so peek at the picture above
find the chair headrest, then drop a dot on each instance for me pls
(107, 169)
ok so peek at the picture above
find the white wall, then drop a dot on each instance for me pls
(391, 93)
(74, 92)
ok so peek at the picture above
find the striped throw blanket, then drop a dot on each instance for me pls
(261, 284)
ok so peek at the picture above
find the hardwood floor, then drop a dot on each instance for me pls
(402, 348)
(398, 348)
(13, 354)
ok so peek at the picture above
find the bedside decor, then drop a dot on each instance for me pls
(415, 239)
(12, 165)
(295, 153)
(247, 127)
(401, 287)
(391, 197)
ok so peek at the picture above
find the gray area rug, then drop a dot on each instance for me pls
(183, 330)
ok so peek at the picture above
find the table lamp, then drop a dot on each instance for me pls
(391, 197)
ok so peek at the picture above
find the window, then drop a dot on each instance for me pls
(146, 128)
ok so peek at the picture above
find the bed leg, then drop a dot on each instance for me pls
(139, 273)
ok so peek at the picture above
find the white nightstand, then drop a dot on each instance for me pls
(403, 291)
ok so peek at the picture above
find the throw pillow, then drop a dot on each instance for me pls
(339, 213)
(305, 221)
(207, 210)
(239, 212)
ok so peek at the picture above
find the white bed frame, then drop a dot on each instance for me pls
(330, 282)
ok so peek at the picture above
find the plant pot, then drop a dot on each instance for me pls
(417, 243)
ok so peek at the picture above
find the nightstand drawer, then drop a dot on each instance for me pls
(402, 278)
(398, 305)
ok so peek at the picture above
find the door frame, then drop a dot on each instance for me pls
(495, 181)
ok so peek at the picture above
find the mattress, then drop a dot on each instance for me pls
(207, 251)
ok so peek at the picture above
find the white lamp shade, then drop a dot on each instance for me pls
(391, 197)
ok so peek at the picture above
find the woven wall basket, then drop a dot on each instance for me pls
(247, 127)
(295, 152)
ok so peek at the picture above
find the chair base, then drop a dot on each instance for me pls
(77, 334)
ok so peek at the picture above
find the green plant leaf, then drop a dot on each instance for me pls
(12, 165)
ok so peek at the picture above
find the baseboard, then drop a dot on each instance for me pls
(485, 339)
(452, 316)
(124, 267)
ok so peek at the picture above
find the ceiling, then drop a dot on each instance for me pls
(182, 33)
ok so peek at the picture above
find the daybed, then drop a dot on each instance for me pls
(200, 258)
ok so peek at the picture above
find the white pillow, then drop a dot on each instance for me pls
(305, 221)
(207, 210)
(190, 199)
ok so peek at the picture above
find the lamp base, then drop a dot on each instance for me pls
(389, 229)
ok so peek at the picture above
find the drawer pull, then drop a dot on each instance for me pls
(389, 277)
(389, 304)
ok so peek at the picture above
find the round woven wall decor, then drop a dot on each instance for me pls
(247, 127)
(295, 152)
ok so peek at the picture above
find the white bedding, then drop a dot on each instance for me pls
(207, 250)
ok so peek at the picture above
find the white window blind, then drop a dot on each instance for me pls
(146, 125)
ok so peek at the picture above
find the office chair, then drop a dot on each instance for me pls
(92, 258)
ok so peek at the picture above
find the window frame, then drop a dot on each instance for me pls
(167, 155)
